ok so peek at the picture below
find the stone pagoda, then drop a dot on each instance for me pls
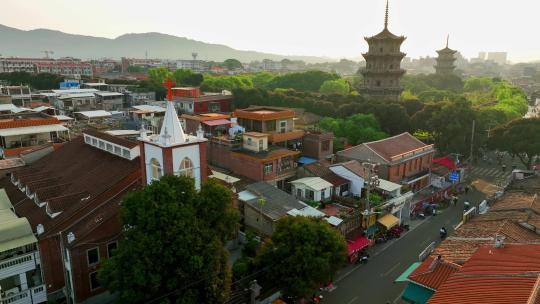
(445, 61)
(383, 70)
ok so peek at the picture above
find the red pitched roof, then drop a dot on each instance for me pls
(321, 170)
(395, 145)
(433, 272)
(9, 123)
(510, 274)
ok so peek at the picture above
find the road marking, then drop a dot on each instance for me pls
(398, 297)
(352, 300)
(424, 243)
(391, 269)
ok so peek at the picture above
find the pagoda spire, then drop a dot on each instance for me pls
(386, 16)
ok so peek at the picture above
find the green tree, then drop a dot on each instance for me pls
(520, 137)
(158, 75)
(302, 254)
(233, 64)
(357, 128)
(478, 84)
(173, 244)
(186, 77)
(339, 86)
(226, 82)
(305, 81)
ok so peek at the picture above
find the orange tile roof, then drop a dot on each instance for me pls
(264, 113)
(510, 274)
(27, 122)
(396, 145)
(433, 272)
(206, 117)
(517, 201)
(459, 247)
(272, 155)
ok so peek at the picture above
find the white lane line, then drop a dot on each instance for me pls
(352, 300)
(398, 297)
(391, 269)
(424, 243)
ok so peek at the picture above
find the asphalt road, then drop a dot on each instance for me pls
(373, 283)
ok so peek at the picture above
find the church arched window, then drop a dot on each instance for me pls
(156, 169)
(186, 167)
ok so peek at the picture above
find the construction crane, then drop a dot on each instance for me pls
(47, 53)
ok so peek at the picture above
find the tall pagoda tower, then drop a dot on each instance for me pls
(383, 65)
(445, 60)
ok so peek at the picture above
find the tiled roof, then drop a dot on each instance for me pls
(495, 275)
(86, 169)
(459, 247)
(433, 272)
(321, 170)
(264, 113)
(395, 145)
(355, 167)
(517, 201)
(27, 121)
(277, 202)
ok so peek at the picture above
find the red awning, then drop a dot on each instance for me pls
(445, 161)
(357, 244)
(217, 122)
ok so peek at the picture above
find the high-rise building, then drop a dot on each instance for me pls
(383, 70)
(498, 57)
(445, 60)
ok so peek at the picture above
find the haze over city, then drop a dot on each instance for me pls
(332, 29)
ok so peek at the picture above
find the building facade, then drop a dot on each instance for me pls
(191, 100)
(383, 70)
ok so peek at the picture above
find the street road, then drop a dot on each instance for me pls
(373, 283)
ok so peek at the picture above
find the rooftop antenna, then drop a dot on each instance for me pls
(194, 55)
(447, 38)
(146, 55)
(386, 16)
(47, 53)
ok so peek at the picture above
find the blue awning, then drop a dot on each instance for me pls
(416, 294)
(306, 160)
(405, 275)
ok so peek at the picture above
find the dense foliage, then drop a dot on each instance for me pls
(173, 245)
(339, 86)
(357, 128)
(41, 81)
(302, 254)
(520, 137)
(306, 81)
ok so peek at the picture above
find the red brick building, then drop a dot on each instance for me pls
(192, 100)
(71, 200)
(402, 159)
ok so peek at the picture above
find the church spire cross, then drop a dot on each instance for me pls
(169, 84)
(447, 38)
(386, 16)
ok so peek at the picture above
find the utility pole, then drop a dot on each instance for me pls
(372, 181)
(472, 139)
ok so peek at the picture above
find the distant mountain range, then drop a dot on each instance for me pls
(20, 43)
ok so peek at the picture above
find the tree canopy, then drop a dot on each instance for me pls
(41, 81)
(357, 128)
(302, 254)
(232, 64)
(339, 86)
(305, 81)
(185, 77)
(520, 137)
(173, 244)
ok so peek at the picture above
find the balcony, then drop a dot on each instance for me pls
(36, 294)
(18, 264)
(279, 137)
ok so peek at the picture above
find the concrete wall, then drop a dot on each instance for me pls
(255, 220)
(357, 183)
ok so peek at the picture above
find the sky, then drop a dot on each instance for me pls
(330, 28)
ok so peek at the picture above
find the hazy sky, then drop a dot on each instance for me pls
(333, 28)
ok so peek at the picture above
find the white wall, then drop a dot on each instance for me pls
(357, 183)
(151, 151)
(191, 152)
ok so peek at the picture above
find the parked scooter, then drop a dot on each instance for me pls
(443, 233)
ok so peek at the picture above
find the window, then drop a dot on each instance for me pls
(94, 284)
(299, 193)
(111, 248)
(283, 126)
(87, 139)
(94, 141)
(261, 145)
(125, 153)
(380, 50)
(101, 144)
(270, 125)
(249, 141)
(186, 167)
(156, 168)
(268, 168)
(325, 145)
(93, 256)
(310, 194)
(109, 147)
(117, 150)
(378, 83)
